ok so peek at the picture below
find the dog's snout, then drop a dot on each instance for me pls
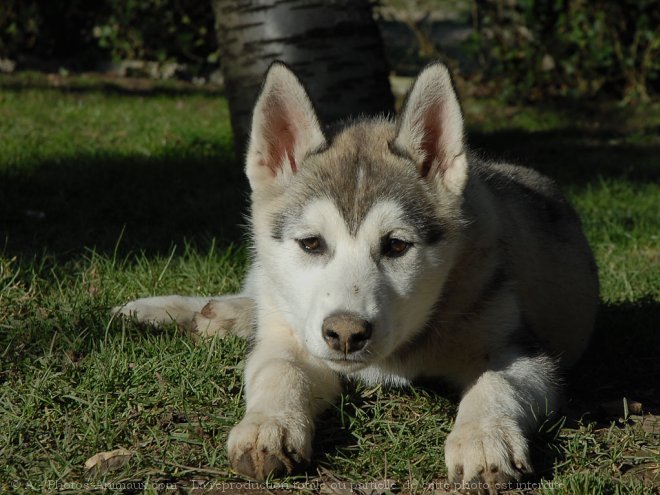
(346, 333)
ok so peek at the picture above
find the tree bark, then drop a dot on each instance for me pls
(333, 45)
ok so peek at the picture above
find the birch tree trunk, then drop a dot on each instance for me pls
(333, 45)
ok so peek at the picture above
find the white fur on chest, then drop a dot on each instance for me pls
(374, 375)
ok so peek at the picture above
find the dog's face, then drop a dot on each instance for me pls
(356, 235)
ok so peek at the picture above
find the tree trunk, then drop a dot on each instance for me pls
(333, 45)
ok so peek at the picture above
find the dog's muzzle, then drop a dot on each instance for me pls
(346, 332)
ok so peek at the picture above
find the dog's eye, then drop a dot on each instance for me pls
(393, 248)
(311, 244)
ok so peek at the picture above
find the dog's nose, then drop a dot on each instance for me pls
(346, 332)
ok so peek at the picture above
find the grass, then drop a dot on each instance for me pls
(110, 192)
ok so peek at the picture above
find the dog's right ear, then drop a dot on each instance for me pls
(284, 129)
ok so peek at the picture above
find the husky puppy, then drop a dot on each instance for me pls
(385, 252)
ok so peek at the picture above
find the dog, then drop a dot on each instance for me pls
(385, 251)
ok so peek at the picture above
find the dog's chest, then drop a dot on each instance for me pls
(374, 375)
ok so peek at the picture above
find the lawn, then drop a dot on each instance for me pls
(110, 192)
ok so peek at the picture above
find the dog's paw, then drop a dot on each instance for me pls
(222, 317)
(216, 318)
(144, 312)
(261, 445)
(485, 456)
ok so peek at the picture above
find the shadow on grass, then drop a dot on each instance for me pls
(571, 157)
(68, 205)
(333, 434)
(621, 361)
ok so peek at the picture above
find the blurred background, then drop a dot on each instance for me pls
(529, 49)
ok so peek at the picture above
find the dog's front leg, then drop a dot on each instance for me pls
(285, 390)
(488, 446)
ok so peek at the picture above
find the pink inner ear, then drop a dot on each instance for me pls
(279, 132)
(431, 141)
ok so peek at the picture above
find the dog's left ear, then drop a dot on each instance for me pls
(430, 129)
(284, 129)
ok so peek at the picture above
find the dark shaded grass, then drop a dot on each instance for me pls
(622, 360)
(68, 204)
(573, 157)
(115, 204)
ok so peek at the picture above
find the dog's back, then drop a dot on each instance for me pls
(554, 272)
(543, 250)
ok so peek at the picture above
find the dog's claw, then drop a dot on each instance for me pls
(485, 456)
(260, 446)
(261, 465)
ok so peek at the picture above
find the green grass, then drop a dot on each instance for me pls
(109, 193)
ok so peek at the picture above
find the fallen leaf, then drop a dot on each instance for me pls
(108, 461)
(647, 473)
(336, 488)
(332, 485)
(379, 487)
(651, 423)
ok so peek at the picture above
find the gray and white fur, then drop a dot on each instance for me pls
(387, 253)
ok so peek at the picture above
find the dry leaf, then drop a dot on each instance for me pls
(336, 488)
(651, 424)
(108, 461)
(332, 485)
(647, 473)
(379, 487)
